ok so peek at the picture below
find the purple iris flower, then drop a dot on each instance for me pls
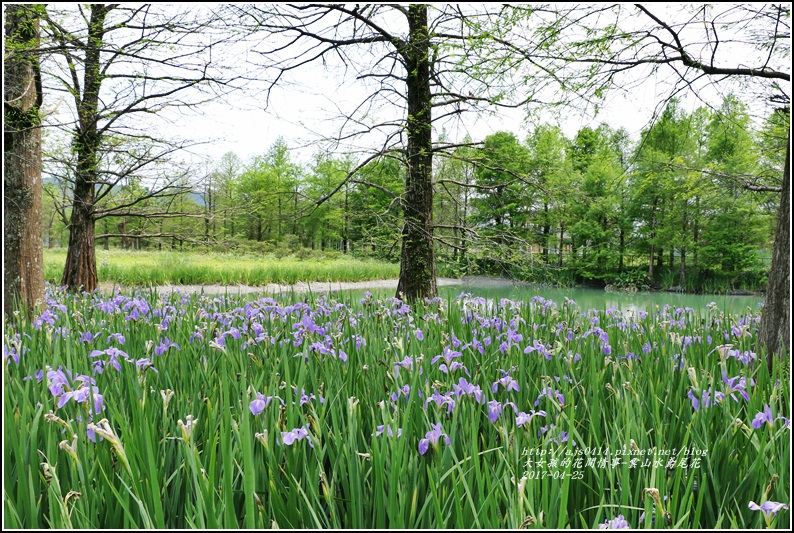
(405, 390)
(478, 346)
(38, 375)
(84, 395)
(88, 336)
(432, 437)
(47, 316)
(737, 384)
(379, 430)
(764, 416)
(769, 508)
(360, 341)
(524, 418)
(419, 334)
(494, 411)
(707, 399)
(407, 363)
(262, 401)
(448, 356)
(513, 336)
(164, 346)
(538, 347)
(619, 522)
(454, 340)
(646, 348)
(442, 399)
(550, 393)
(464, 387)
(631, 356)
(306, 398)
(57, 380)
(456, 365)
(745, 357)
(144, 364)
(506, 381)
(289, 437)
(118, 337)
(694, 400)
(10, 353)
(320, 347)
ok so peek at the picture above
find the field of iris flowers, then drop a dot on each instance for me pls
(204, 412)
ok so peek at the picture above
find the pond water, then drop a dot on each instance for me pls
(496, 288)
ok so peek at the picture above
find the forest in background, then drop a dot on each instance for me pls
(676, 211)
(679, 208)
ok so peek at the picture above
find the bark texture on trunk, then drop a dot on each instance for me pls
(776, 319)
(23, 274)
(80, 272)
(418, 264)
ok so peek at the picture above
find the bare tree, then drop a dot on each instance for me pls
(120, 66)
(410, 59)
(23, 277)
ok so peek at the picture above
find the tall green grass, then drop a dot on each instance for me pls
(150, 268)
(231, 469)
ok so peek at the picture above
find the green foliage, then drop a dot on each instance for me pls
(149, 268)
(589, 210)
(634, 279)
(503, 167)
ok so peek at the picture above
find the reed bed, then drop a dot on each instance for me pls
(151, 268)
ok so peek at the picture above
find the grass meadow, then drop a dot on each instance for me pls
(150, 268)
(191, 411)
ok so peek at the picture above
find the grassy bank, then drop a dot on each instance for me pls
(148, 268)
(217, 412)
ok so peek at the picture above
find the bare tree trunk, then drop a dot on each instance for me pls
(562, 242)
(682, 272)
(775, 318)
(653, 239)
(346, 243)
(80, 271)
(418, 264)
(23, 275)
(464, 218)
(546, 231)
(696, 244)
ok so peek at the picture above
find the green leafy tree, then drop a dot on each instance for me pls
(595, 231)
(502, 208)
(590, 50)
(375, 216)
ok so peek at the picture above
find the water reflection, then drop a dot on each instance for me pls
(495, 289)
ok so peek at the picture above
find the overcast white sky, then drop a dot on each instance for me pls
(308, 109)
(303, 117)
